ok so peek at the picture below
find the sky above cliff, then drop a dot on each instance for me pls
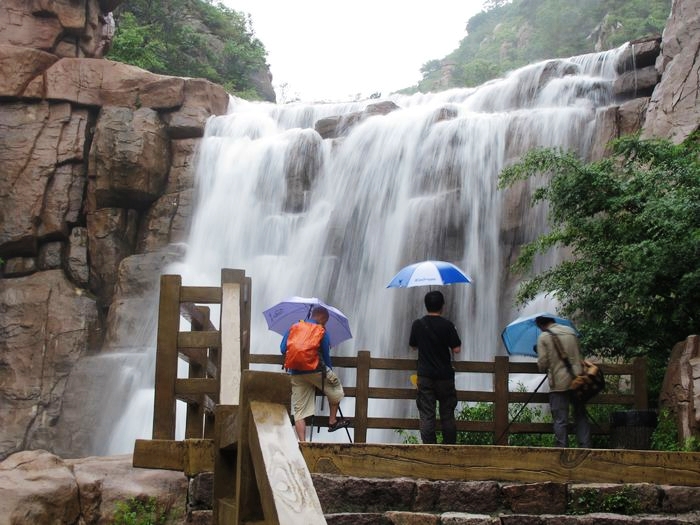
(329, 50)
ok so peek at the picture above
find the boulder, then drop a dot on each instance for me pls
(39, 487)
(129, 158)
(680, 392)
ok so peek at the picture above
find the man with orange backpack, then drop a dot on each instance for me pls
(307, 358)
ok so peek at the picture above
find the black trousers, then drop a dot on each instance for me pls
(443, 393)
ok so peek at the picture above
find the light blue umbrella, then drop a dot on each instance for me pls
(520, 336)
(428, 273)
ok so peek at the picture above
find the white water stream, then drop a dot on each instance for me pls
(399, 188)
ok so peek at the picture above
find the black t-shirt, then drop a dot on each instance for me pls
(435, 337)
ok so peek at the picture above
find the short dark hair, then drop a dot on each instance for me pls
(434, 301)
(543, 320)
(319, 310)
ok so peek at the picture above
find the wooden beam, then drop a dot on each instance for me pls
(516, 464)
(196, 385)
(202, 339)
(200, 294)
(166, 357)
(287, 491)
(273, 387)
(226, 432)
(231, 336)
(198, 316)
(191, 456)
(162, 454)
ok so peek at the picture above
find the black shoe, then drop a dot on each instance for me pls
(339, 423)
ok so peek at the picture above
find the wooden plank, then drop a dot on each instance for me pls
(228, 426)
(191, 456)
(231, 337)
(225, 512)
(202, 339)
(500, 411)
(166, 358)
(200, 294)
(224, 490)
(198, 356)
(518, 464)
(361, 396)
(273, 387)
(195, 386)
(162, 454)
(198, 316)
(267, 359)
(194, 417)
(198, 456)
(287, 491)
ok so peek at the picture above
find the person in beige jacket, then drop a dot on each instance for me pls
(548, 360)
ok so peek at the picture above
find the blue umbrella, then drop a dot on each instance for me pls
(428, 273)
(520, 336)
(293, 309)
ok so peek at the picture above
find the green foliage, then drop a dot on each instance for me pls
(665, 435)
(512, 34)
(134, 511)
(477, 412)
(632, 223)
(623, 501)
(190, 38)
(408, 437)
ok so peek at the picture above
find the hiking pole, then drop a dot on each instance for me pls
(346, 428)
(505, 431)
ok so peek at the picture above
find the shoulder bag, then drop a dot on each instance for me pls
(588, 383)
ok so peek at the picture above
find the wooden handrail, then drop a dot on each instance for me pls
(502, 397)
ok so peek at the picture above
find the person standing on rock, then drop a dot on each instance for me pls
(436, 340)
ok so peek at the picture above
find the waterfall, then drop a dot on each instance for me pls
(337, 218)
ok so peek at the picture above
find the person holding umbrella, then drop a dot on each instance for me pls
(436, 340)
(557, 345)
(317, 375)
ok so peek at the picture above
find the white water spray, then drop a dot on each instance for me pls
(336, 219)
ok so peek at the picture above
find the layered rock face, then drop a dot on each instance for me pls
(96, 163)
(96, 190)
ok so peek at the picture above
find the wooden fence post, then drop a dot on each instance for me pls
(500, 408)
(639, 383)
(166, 357)
(231, 340)
(361, 396)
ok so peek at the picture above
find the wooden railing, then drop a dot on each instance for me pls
(500, 370)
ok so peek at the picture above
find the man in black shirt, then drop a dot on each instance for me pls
(436, 339)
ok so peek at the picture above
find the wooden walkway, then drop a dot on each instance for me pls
(238, 424)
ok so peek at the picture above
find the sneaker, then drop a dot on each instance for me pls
(339, 423)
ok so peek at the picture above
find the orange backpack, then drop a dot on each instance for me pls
(303, 346)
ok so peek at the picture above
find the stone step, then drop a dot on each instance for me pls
(458, 518)
(439, 501)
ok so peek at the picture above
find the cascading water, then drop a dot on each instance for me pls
(337, 218)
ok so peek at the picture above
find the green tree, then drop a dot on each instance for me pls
(190, 38)
(632, 223)
(510, 34)
(133, 46)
